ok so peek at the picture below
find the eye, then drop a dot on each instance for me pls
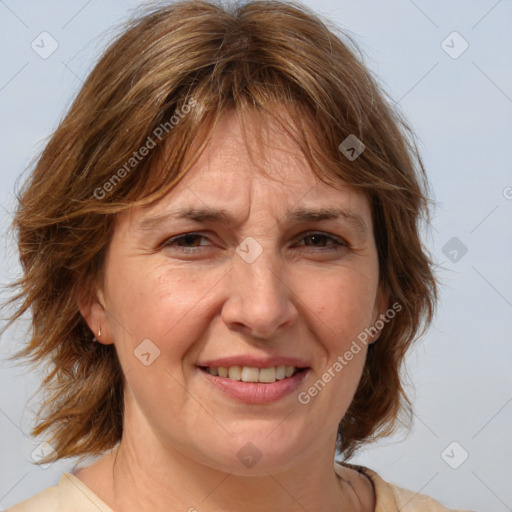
(186, 242)
(318, 240)
(192, 242)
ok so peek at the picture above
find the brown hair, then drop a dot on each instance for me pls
(195, 60)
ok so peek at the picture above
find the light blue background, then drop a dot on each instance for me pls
(461, 110)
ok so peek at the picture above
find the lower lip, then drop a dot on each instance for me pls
(256, 392)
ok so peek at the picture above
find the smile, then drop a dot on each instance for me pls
(251, 374)
(252, 385)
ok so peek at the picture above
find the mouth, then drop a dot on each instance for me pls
(255, 375)
(253, 385)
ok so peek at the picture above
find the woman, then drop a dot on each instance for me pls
(221, 256)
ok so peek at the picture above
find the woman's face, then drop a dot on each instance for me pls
(239, 270)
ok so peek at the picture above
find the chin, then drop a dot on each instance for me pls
(253, 456)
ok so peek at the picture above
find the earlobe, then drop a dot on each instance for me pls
(99, 323)
(98, 335)
(93, 311)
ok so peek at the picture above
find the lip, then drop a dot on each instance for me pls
(256, 392)
(255, 362)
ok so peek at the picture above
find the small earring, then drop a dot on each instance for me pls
(99, 332)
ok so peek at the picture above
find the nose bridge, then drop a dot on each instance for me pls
(259, 297)
(262, 272)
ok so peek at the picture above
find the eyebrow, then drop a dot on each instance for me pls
(222, 216)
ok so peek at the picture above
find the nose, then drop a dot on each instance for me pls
(260, 301)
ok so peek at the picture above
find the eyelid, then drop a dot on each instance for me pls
(336, 241)
(168, 241)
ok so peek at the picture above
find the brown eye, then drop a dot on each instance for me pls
(186, 242)
(323, 241)
(189, 239)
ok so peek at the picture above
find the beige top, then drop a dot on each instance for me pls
(71, 495)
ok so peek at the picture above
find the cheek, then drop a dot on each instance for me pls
(344, 306)
(343, 303)
(165, 305)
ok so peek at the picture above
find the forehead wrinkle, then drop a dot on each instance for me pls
(264, 136)
(226, 218)
(324, 214)
(201, 214)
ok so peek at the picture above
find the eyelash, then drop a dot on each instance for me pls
(335, 246)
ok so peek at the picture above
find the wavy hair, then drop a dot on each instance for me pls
(169, 76)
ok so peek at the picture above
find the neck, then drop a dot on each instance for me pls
(145, 473)
(171, 481)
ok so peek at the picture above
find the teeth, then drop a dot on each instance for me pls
(268, 375)
(235, 373)
(281, 372)
(251, 374)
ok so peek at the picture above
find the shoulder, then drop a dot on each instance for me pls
(69, 494)
(48, 499)
(359, 482)
(391, 498)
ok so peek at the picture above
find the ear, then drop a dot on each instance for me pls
(380, 307)
(91, 303)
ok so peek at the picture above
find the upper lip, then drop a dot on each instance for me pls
(254, 362)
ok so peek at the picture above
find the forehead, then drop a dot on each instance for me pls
(251, 146)
(254, 148)
(249, 161)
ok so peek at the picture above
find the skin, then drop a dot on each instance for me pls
(303, 296)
